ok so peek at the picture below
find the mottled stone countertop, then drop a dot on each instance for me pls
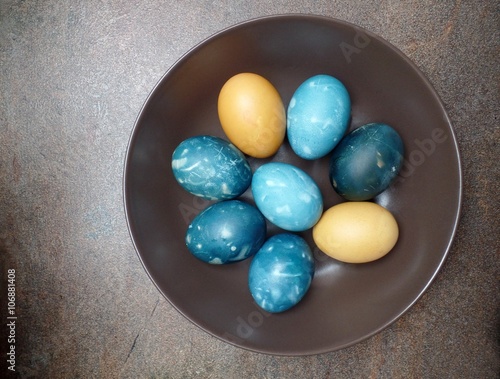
(73, 77)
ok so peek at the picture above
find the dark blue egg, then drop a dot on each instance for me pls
(228, 231)
(366, 161)
(318, 116)
(281, 272)
(211, 168)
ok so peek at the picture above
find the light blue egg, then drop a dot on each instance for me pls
(318, 116)
(287, 196)
(211, 168)
(228, 231)
(281, 272)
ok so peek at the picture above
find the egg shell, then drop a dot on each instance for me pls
(211, 168)
(225, 232)
(356, 232)
(318, 116)
(366, 161)
(287, 196)
(252, 114)
(281, 272)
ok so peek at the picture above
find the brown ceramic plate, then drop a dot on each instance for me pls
(346, 303)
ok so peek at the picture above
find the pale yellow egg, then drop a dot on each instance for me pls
(356, 232)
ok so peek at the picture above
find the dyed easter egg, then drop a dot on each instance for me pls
(356, 232)
(287, 196)
(211, 168)
(281, 272)
(252, 114)
(227, 231)
(366, 161)
(318, 116)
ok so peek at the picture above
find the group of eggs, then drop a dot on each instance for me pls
(363, 163)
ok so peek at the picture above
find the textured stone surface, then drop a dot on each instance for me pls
(73, 77)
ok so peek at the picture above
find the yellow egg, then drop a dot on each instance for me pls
(356, 232)
(252, 114)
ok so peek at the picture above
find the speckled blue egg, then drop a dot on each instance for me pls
(211, 168)
(287, 196)
(227, 231)
(366, 161)
(281, 272)
(318, 116)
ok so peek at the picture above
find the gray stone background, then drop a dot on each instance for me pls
(74, 75)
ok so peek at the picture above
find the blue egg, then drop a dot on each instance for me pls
(211, 168)
(318, 116)
(366, 161)
(287, 196)
(281, 272)
(227, 231)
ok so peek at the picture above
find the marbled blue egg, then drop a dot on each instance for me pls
(318, 116)
(366, 161)
(281, 272)
(227, 231)
(287, 196)
(211, 168)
